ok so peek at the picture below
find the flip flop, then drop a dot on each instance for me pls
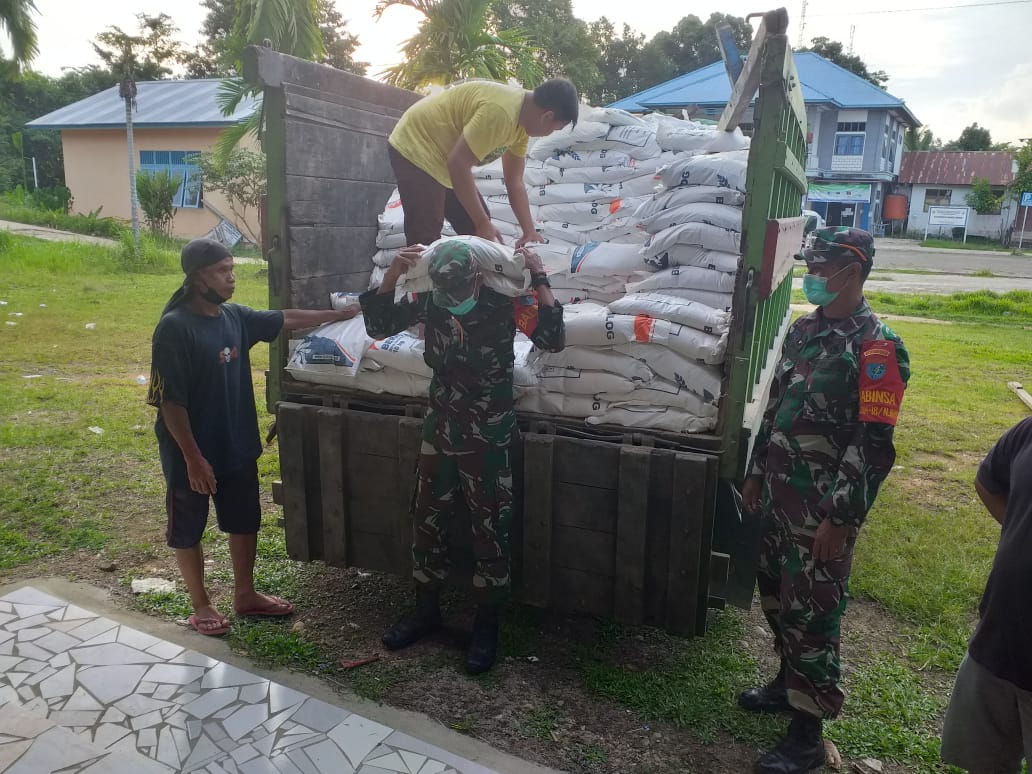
(277, 607)
(198, 626)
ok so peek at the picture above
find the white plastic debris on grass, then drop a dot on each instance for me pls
(96, 430)
(91, 326)
(153, 586)
(141, 379)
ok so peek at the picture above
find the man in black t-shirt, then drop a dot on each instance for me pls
(988, 727)
(207, 423)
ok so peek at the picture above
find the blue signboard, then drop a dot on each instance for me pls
(1026, 199)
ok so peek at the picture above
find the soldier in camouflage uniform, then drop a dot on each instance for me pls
(822, 452)
(468, 429)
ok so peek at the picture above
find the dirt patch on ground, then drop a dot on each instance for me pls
(535, 703)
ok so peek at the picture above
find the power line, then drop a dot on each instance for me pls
(916, 10)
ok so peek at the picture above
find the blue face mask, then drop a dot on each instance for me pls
(464, 308)
(816, 288)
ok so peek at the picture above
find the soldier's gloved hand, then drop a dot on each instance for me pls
(751, 491)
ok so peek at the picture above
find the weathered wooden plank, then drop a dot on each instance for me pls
(584, 549)
(373, 434)
(587, 507)
(322, 151)
(275, 241)
(321, 251)
(333, 480)
(371, 551)
(631, 524)
(314, 292)
(686, 519)
(313, 489)
(272, 69)
(325, 201)
(354, 117)
(538, 472)
(291, 429)
(586, 462)
(709, 512)
(583, 593)
(408, 436)
(339, 100)
(657, 535)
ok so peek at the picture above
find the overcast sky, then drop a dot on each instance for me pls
(953, 66)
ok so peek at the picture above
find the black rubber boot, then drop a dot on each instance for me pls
(423, 620)
(800, 751)
(483, 649)
(772, 697)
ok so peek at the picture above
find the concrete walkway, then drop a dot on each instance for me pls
(53, 234)
(122, 693)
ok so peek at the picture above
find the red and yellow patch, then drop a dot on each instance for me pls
(881, 385)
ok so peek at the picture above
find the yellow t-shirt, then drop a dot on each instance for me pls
(485, 113)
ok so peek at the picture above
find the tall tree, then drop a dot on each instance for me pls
(218, 53)
(564, 44)
(291, 27)
(619, 57)
(973, 138)
(921, 140)
(457, 40)
(1023, 179)
(131, 58)
(16, 19)
(834, 51)
(630, 65)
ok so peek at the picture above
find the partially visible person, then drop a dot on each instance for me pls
(207, 424)
(822, 452)
(468, 430)
(439, 140)
(988, 726)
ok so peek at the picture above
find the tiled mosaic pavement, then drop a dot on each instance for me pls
(80, 693)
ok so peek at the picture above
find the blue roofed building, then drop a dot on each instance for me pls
(173, 122)
(854, 135)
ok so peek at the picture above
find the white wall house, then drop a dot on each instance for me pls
(945, 178)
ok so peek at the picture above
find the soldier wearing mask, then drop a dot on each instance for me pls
(468, 429)
(823, 449)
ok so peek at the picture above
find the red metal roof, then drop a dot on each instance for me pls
(957, 167)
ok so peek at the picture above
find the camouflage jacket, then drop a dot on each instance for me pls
(470, 398)
(819, 450)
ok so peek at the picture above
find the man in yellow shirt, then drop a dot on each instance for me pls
(439, 140)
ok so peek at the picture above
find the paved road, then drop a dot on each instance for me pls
(905, 254)
(889, 282)
(53, 235)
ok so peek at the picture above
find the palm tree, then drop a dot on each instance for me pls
(920, 140)
(126, 55)
(288, 26)
(457, 40)
(16, 19)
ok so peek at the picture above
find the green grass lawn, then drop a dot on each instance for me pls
(81, 340)
(976, 244)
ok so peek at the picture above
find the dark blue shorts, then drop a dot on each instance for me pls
(237, 508)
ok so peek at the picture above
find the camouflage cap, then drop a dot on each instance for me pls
(453, 272)
(838, 243)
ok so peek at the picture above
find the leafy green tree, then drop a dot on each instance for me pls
(132, 58)
(16, 20)
(564, 44)
(1023, 179)
(921, 140)
(981, 197)
(157, 192)
(973, 138)
(457, 40)
(618, 65)
(218, 54)
(835, 52)
(241, 179)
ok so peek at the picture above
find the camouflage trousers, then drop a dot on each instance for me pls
(803, 601)
(483, 479)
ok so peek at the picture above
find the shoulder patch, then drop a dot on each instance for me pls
(881, 385)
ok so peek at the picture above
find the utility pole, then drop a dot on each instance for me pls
(852, 32)
(802, 25)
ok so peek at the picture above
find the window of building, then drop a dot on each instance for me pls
(178, 165)
(852, 126)
(937, 197)
(849, 144)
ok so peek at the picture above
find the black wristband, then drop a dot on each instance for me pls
(539, 280)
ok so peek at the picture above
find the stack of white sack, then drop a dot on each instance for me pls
(341, 354)
(390, 236)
